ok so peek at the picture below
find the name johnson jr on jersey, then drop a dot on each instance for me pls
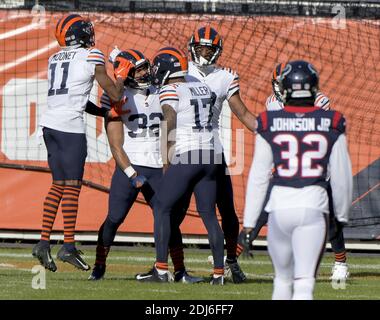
(300, 124)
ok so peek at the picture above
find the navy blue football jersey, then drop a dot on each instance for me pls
(301, 139)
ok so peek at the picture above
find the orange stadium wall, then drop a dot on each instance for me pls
(346, 58)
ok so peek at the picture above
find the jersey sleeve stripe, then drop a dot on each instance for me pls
(318, 99)
(168, 95)
(336, 118)
(233, 87)
(95, 51)
(168, 91)
(98, 56)
(168, 99)
(96, 61)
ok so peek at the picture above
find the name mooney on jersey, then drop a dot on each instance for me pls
(300, 124)
(63, 55)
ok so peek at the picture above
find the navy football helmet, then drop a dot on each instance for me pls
(74, 30)
(205, 36)
(298, 80)
(140, 62)
(168, 63)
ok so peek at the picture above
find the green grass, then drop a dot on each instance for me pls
(69, 283)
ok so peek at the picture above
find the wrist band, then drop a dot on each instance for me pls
(129, 171)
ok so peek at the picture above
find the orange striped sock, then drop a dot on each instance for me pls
(239, 250)
(51, 205)
(177, 256)
(218, 272)
(70, 211)
(340, 257)
(162, 266)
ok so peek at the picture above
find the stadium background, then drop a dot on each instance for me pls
(257, 35)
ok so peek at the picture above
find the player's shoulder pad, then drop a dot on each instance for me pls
(262, 122)
(96, 56)
(338, 122)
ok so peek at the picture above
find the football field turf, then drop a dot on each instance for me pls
(69, 283)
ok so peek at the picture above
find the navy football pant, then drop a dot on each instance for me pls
(67, 153)
(178, 181)
(122, 196)
(225, 204)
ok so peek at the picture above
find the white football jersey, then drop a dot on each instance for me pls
(321, 101)
(141, 126)
(71, 74)
(224, 82)
(192, 102)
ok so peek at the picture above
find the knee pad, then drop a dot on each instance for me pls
(282, 288)
(303, 289)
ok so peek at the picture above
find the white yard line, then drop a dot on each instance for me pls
(21, 30)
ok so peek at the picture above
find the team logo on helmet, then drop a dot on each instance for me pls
(209, 38)
(298, 80)
(168, 63)
(74, 30)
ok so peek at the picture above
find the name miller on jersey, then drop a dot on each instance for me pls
(65, 55)
(199, 91)
(300, 124)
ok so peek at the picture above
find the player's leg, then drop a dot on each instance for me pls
(174, 184)
(308, 241)
(230, 221)
(340, 269)
(205, 196)
(121, 198)
(280, 250)
(52, 200)
(73, 153)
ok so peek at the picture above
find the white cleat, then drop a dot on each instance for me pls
(340, 271)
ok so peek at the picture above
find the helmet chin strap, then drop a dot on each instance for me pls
(203, 62)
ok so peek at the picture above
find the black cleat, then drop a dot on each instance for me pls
(73, 258)
(42, 253)
(98, 272)
(184, 277)
(153, 276)
(237, 274)
(217, 281)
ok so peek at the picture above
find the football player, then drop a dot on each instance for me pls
(205, 48)
(71, 74)
(303, 143)
(135, 144)
(187, 108)
(336, 237)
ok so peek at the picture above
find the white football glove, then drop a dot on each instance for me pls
(114, 54)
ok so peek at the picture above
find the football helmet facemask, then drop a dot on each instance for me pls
(74, 30)
(168, 63)
(205, 46)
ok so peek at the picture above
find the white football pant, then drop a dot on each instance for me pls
(296, 242)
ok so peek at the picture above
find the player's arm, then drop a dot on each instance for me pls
(115, 134)
(341, 179)
(240, 110)
(258, 181)
(113, 89)
(168, 136)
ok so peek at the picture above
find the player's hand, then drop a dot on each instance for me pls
(165, 168)
(114, 53)
(246, 241)
(123, 66)
(138, 181)
(116, 110)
